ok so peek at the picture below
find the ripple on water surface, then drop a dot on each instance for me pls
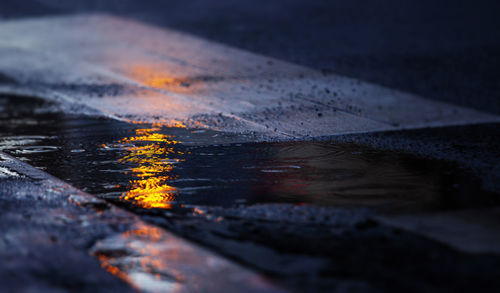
(155, 167)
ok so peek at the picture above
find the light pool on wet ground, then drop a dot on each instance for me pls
(148, 166)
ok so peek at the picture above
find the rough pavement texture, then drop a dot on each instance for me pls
(49, 230)
(141, 73)
(45, 239)
(475, 147)
(323, 250)
(307, 248)
(473, 231)
(446, 50)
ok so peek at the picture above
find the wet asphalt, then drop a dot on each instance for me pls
(199, 167)
(301, 213)
(447, 51)
(45, 238)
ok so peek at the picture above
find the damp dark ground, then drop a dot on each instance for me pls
(300, 212)
(148, 166)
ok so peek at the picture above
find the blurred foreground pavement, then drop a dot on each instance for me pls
(321, 65)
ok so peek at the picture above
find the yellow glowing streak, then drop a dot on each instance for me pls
(152, 137)
(149, 194)
(149, 189)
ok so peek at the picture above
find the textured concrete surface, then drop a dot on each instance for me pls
(151, 74)
(350, 249)
(49, 230)
(473, 231)
(304, 247)
(446, 50)
(161, 86)
(473, 147)
(45, 238)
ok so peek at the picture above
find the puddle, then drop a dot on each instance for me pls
(152, 260)
(147, 166)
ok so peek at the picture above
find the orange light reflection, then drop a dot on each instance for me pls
(151, 151)
(146, 243)
(159, 77)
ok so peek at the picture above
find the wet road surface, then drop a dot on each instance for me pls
(300, 212)
(151, 166)
(446, 51)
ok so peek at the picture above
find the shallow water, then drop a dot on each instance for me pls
(154, 167)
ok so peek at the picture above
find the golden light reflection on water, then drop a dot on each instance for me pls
(107, 265)
(154, 157)
(140, 261)
(153, 260)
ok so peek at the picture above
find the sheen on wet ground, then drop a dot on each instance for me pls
(151, 166)
(306, 214)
